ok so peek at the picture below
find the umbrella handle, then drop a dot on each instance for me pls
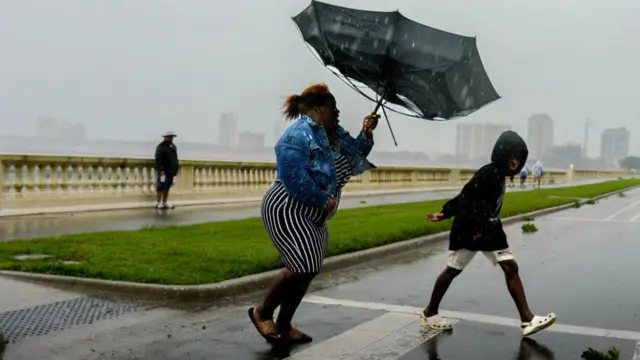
(378, 106)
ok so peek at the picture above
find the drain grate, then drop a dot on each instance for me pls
(44, 319)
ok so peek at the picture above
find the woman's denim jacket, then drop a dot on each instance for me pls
(304, 160)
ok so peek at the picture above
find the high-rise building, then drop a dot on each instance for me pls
(491, 134)
(72, 131)
(614, 145)
(468, 139)
(227, 130)
(47, 127)
(561, 156)
(539, 135)
(477, 140)
(78, 132)
(250, 141)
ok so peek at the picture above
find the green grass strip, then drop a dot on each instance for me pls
(212, 252)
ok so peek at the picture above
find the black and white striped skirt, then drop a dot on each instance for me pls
(299, 232)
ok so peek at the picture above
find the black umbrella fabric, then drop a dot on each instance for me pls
(433, 74)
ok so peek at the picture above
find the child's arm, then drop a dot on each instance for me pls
(449, 208)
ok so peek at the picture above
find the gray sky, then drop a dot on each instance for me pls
(132, 69)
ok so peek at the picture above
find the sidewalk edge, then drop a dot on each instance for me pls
(223, 202)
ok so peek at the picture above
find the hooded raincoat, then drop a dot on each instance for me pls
(476, 210)
(537, 169)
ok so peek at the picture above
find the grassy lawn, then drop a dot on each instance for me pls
(212, 252)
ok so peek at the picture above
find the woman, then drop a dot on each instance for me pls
(315, 158)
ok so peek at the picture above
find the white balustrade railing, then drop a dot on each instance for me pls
(28, 181)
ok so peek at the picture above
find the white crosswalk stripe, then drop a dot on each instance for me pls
(397, 332)
(593, 220)
(386, 337)
(626, 208)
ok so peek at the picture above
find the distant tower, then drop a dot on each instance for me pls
(227, 130)
(587, 124)
(540, 135)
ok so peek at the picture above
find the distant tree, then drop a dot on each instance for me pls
(630, 162)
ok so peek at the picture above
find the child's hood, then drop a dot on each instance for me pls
(509, 144)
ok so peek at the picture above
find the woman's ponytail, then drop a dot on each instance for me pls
(291, 107)
(315, 95)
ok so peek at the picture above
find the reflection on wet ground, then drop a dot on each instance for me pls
(25, 227)
(476, 341)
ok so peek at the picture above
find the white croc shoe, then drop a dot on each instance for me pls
(435, 322)
(538, 323)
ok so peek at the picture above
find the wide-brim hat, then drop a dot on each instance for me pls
(169, 134)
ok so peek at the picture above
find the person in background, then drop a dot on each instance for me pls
(511, 184)
(477, 227)
(315, 158)
(167, 166)
(537, 173)
(523, 176)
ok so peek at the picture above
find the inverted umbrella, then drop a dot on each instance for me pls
(433, 74)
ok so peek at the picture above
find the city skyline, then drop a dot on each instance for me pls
(471, 138)
(478, 138)
(230, 122)
(252, 146)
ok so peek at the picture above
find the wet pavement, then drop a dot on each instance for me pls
(501, 342)
(581, 264)
(25, 227)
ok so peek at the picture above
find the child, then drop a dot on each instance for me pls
(477, 227)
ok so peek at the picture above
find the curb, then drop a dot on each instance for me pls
(256, 282)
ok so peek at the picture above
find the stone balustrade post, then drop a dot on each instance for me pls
(454, 176)
(569, 177)
(414, 176)
(366, 178)
(186, 178)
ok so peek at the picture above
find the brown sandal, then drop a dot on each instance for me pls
(297, 336)
(267, 329)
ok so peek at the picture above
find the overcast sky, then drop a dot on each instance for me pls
(132, 69)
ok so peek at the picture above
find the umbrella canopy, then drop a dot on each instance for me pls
(433, 74)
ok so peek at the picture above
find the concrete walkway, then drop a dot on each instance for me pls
(211, 202)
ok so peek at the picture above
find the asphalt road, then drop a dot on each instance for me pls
(582, 264)
(25, 227)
